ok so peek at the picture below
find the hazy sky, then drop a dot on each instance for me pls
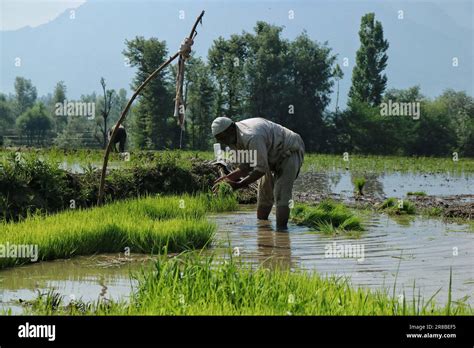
(422, 45)
(16, 14)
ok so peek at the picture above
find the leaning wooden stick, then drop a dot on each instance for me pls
(180, 53)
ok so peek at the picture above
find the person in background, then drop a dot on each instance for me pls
(120, 138)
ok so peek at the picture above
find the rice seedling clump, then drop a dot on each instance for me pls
(148, 225)
(359, 184)
(416, 193)
(397, 207)
(327, 216)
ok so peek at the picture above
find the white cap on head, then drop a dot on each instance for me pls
(220, 124)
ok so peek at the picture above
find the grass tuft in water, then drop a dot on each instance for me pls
(327, 217)
(433, 211)
(398, 207)
(417, 193)
(225, 199)
(359, 184)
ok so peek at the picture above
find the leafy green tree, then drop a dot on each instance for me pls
(59, 96)
(266, 69)
(7, 117)
(460, 107)
(34, 123)
(436, 135)
(121, 100)
(368, 81)
(79, 131)
(260, 74)
(155, 108)
(199, 103)
(401, 131)
(226, 61)
(306, 92)
(74, 135)
(363, 130)
(25, 95)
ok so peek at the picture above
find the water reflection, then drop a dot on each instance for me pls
(383, 184)
(82, 277)
(273, 247)
(405, 248)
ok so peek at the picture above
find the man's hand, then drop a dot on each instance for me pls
(234, 184)
(219, 180)
(233, 176)
(252, 177)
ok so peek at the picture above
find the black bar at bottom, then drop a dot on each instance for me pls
(208, 330)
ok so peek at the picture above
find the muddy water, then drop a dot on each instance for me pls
(80, 277)
(385, 184)
(423, 250)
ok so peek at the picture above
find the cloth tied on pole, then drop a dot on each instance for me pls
(179, 107)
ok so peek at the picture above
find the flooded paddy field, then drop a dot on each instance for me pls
(385, 184)
(449, 195)
(414, 255)
(419, 251)
(410, 256)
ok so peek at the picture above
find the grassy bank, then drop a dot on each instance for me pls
(319, 162)
(84, 157)
(193, 285)
(30, 184)
(387, 164)
(148, 225)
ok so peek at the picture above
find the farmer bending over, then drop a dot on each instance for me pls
(279, 152)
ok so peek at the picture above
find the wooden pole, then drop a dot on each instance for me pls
(127, 107)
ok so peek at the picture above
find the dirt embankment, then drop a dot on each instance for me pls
(455, 206)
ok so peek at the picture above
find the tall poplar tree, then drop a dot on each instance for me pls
(368, 80)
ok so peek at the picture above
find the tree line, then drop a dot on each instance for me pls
(262, 74)
(52, 120)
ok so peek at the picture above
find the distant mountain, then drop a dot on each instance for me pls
(79, 51)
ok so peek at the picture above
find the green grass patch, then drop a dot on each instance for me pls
(86, 157)
(416, 193)
(387, 164)
(359, 184)
(193, 285)
(147, 225)
(327, 217)
(433, 212)
(312, 160)
(398, 207)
